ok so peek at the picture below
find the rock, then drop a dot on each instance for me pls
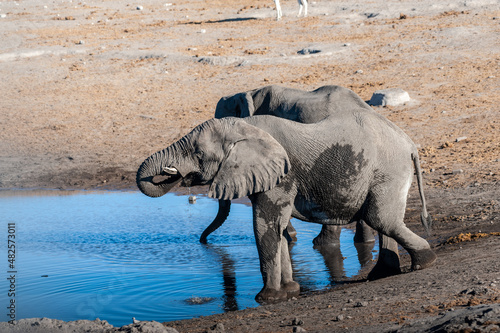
(222, 61)
(192, 199)
(361, 304)
(297, 322)
(457, 171)
(462, 138)
(299, 329)
(339, 318)
(389, 97)
(218, 328)
(307, 51)
(147, 327)
(139, 8)
(480, 318)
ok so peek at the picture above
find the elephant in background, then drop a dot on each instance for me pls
(301, 106)
(318, 173)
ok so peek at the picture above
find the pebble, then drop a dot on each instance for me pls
(297, 322)
(299, 329)
(139, 8)
(192, 199)
(339, 318)
(462, 138)
(457, 171)
(359, 71)
(307, 51)
(3, 15)
(361, 304)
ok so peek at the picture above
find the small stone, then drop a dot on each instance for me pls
(192, 199)
(359, 71)
(218, 328)
(139, 8)
(361, 304)
(3, 15)
(307, 51)
(457, 171)
(299, 329)
(203, 31)
(347, 44)
(339, 318)
(462, 138)
(297, 322)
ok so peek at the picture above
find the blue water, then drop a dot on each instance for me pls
(118, 255)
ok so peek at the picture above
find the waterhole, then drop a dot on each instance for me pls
(118, 255)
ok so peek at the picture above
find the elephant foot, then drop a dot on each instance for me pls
(364, 233)
(388, 260)
(422, 259)
(268, 295)
(330, 234)
(383, 270)
(292, 289)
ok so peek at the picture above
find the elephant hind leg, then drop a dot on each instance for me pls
(385, 213)
(388, 259)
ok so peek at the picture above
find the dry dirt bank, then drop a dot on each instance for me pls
(89, 89)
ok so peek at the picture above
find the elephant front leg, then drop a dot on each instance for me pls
(330, 234)
(270, 221)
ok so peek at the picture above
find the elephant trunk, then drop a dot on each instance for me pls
(156, 176)
(222, 214)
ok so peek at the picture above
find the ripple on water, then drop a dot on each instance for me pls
(117, 255)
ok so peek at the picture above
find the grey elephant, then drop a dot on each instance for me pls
(297, 105)
(319, 173)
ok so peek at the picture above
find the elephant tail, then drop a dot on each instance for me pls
(222, 214)
(425, 217)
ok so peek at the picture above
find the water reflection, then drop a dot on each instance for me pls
(118, 255)
(228, 276)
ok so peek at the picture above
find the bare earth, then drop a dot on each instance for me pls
(89, 89)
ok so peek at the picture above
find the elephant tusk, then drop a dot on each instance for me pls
(170, 171)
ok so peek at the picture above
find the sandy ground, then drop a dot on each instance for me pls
(91, 88)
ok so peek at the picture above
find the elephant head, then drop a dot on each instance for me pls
(239, 105)
(234, 158)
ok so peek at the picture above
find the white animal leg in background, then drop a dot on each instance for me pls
(302, 5)
(278, 10)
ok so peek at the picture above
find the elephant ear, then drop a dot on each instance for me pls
(246, 105)
(239, 105)
(254, 162)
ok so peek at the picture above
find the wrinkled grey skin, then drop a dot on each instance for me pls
(297, 105)
(314, 172)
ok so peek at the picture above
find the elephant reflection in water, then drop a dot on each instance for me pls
(332, 257)
(228, 276)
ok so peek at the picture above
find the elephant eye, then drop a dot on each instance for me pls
(199, 154)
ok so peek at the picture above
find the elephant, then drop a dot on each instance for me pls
(297, 105)
(318, 173)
